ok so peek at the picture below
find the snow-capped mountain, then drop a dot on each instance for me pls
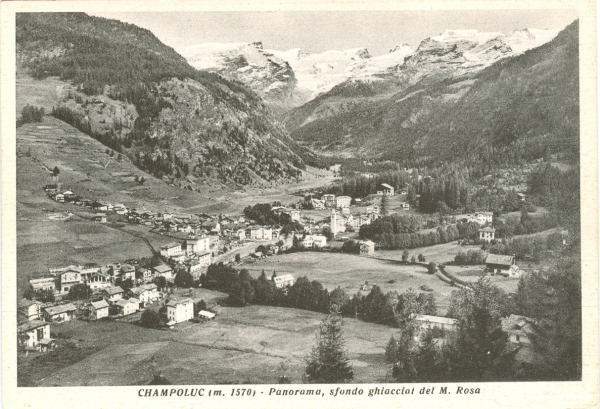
(269, 76)
(286, 79)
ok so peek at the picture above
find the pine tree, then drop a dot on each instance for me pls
(385, 205)
(328, 361)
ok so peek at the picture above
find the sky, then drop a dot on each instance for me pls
(378, 31)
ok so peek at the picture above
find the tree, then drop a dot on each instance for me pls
(327, 232)
(328, 361)
(55, 171)
(413, 259)
(238, 258)
(150, 319)
(391, 350)
(160, 282)
(431, 267)
(405, 256)
(421, 258)
(79, 292)
(184, 279)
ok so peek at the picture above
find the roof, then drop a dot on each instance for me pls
(170, 245)
(122, 302)
(162, 268)
(488, 229)
(499, 259)
(29, 325)
(175, 302)
(139, 290)
(127, 267)
(283, 277)
(59, 309)
(99, 304)
(387, 186)
(113, 290)
(206, 314)
(436, 319)
(517, 323)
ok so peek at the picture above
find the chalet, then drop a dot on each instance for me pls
(180, 310)
(367, 248)
(96, 280)
(442, 327)
(29, 310)
(98, 310)
(206, 315)
(342, 201)
(283, 280)
(120, 209)
(35, 335)
(58, 313)
(487, 234)
(484, 217)
(165, 271)
(519, 330)
(317, 204)
(146, 293)
(329, 200)
(43, 283)
(127, 307)
(100, 206)
(59, 197)
(387, 190)
(171, 250)
(69, 278)
(127, 272)
(501, 264)
(99, 218)
(113, 294)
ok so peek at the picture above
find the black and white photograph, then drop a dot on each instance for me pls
(293, 197)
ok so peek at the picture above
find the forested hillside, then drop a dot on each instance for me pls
(140, 97)
(513, 111)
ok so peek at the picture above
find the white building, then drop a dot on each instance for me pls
(487, 234)
(127, 307)
(337, 223)
(367, 248)
(342, 201)
(283, 280)
(35, 335)
(180, 310)
(197, 245)
(329, 200)
(146, 293)
(171, 250)
(484, 217)
(98, 310)
(387, 190)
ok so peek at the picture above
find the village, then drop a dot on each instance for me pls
(124, 290)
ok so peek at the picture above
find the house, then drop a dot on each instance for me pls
(240, 234)
(484, 217)
(319, 241)
(99, 218)
(342, 201)
(336, 223)
(69, 278)
(345, 211)
(98, 310)
(283, 280)
(171, 250)
(387, 190)
(51, 188)
(100, 206)
(521, 196)
(43, 283)
(197, 245)
(146, 293)
(69, 196)
(329, 200)
(96, 280)
(127, 307)
(120, 209)
(501, 264)
(58, 313)
(180, 310)
(442, 327)
(405, 206)
(367, 248)
(29, 309)
(487, 234)
(35, 335)
(113, 294)
(199, 264)
(317, 204)
(519, 330)
(295, 215)
(165, 271)
(373, 209)
(206, 315)
(127, 272)
(59, 197)
(146, 274)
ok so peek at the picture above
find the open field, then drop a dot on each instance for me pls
(351, 271)
(242, 345)
(440, 253)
